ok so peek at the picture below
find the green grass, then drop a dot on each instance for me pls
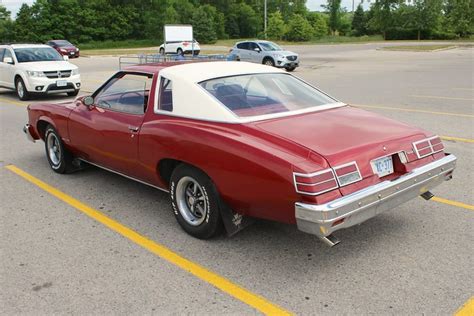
(418, 48)
(323, 40)
(119, 44)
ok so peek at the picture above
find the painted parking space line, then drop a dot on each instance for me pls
(467, 309)
(440, 97)
(453, 203)
(389, 108)
(13, 102)
(457, 139)
(221, 283)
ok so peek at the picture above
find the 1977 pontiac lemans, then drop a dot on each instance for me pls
(232, 141)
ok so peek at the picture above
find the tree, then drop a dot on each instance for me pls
(382, 18)
(6, 25)
(319, 24)
(299, 29)
(334, 9)
(276, 26)
(359, 22)
(427, 15)
(460, 16)
(203, 26)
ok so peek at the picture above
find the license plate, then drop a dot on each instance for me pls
(72, 54)
(383, 166)
(61, 83)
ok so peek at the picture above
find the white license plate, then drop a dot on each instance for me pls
(61, 83)
(383, 166)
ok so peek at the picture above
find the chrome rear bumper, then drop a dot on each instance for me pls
(324, 219)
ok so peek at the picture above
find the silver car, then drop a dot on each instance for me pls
(265, 52)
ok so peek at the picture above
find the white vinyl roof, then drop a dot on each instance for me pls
(190, 100)
(197, 72)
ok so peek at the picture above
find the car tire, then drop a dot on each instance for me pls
(73, 94)
(59, 158)
(21, 90)
(179, 51)
(268, 61)
(195, 202)
(196, 53)
(162, 51)
(290, 69)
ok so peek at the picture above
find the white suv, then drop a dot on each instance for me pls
(180, 48)
(37, 69)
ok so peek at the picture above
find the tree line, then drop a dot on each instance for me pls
(84, 21)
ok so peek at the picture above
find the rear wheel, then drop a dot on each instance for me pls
(268, 61)
(59, 158)
(162, 51)
(195, 202)
(21, 90)
(179, 51)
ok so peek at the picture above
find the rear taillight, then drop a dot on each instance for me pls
(326, 180)
(428, 146)
(185, 44)
(347, 174)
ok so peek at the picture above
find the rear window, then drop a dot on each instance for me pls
(261, 94)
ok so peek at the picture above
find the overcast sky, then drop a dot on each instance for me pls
(314, 5)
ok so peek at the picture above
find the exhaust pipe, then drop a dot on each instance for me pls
(427, 195)
(330, 240)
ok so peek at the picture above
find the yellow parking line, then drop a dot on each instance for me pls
(439, 97)
(225, 285)
(467, 309)
(411, 110)
(13, 102)
(458, 139)
(453, 203)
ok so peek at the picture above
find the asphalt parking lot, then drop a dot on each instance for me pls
(58, 257)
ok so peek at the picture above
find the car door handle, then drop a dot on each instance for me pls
(133, 129)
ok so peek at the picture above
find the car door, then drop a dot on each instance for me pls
(7, 69)
(255, 53)
(107, 132)
(243, 51)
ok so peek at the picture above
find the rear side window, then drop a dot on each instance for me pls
(165, 101)
(2, 50)
(243, 45)
(7, 53)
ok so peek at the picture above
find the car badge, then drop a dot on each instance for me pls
(59, 74)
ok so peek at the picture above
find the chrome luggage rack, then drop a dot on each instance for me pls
(125, 61)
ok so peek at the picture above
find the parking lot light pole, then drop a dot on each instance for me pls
(265, 19)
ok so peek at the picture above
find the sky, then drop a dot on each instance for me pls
(314, 5)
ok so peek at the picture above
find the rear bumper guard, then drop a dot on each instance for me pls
(324, 219)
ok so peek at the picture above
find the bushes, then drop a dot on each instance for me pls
(299, 29)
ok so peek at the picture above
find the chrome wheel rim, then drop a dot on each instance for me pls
(268, 62)
(191, 202)
(20, 89)
(54, 149)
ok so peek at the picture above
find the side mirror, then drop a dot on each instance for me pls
(66, 58)
(257, 49)
(88, 101)
(8, 60)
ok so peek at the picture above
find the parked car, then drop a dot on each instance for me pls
(231, 141)
(33, 69)
(180, 48)
(65, 48)
(267, 53)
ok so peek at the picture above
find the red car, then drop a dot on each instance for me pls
(233, 141)
(65, 48)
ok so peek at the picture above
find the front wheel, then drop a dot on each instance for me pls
(73, 94)
(59, 158)
(268, 62)
(162, 51)
(290, 69)
(195, 202)
(21, 90)
(179, 51)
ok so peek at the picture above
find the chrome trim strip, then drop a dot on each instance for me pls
(124, 175)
